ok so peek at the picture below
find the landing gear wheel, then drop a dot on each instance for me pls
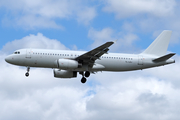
(87, 74)
(27, 74)
(83, 80)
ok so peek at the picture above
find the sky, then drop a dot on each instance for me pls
(83, 25)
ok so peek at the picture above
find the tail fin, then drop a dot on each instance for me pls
(160, 44)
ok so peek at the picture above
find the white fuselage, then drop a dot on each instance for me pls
(108, 62)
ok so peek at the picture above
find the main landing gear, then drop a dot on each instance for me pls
(87, 74)
(27, 73)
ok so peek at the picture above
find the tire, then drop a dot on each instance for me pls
(27, 74)
(83, 80)
(87, 74)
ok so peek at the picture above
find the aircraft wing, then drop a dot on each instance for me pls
(91, 56)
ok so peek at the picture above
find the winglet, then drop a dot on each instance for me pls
(115, 41)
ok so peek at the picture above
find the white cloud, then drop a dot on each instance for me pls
(31, 14)
(31, 22)
(146, 15)
(124, 39)
(101, 36)
(124, 8)
(170, 72)
(137, 95)
(33, 41)
(86, 15)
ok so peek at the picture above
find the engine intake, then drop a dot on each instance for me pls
(64, 73)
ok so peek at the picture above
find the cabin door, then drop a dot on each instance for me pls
(28, 53)
(140, 60)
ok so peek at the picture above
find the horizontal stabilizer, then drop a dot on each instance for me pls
(164, 58)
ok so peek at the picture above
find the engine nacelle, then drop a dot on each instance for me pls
(64, 73)
(67, 64)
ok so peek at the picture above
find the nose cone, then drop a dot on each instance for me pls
(12, 59)
(8, 59)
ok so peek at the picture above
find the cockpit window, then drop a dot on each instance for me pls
(17, 52)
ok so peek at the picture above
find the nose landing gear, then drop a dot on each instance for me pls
(27, 73)
(87, 74)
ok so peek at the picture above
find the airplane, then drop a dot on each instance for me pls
(67, 63)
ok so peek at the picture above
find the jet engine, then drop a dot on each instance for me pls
(67, 64)
(64, 73)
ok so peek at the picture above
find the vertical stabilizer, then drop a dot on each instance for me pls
(160, 44)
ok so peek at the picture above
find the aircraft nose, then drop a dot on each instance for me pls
(8, 59)
(12, 60)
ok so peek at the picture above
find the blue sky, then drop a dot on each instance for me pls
(69, 30)
(83, 25)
